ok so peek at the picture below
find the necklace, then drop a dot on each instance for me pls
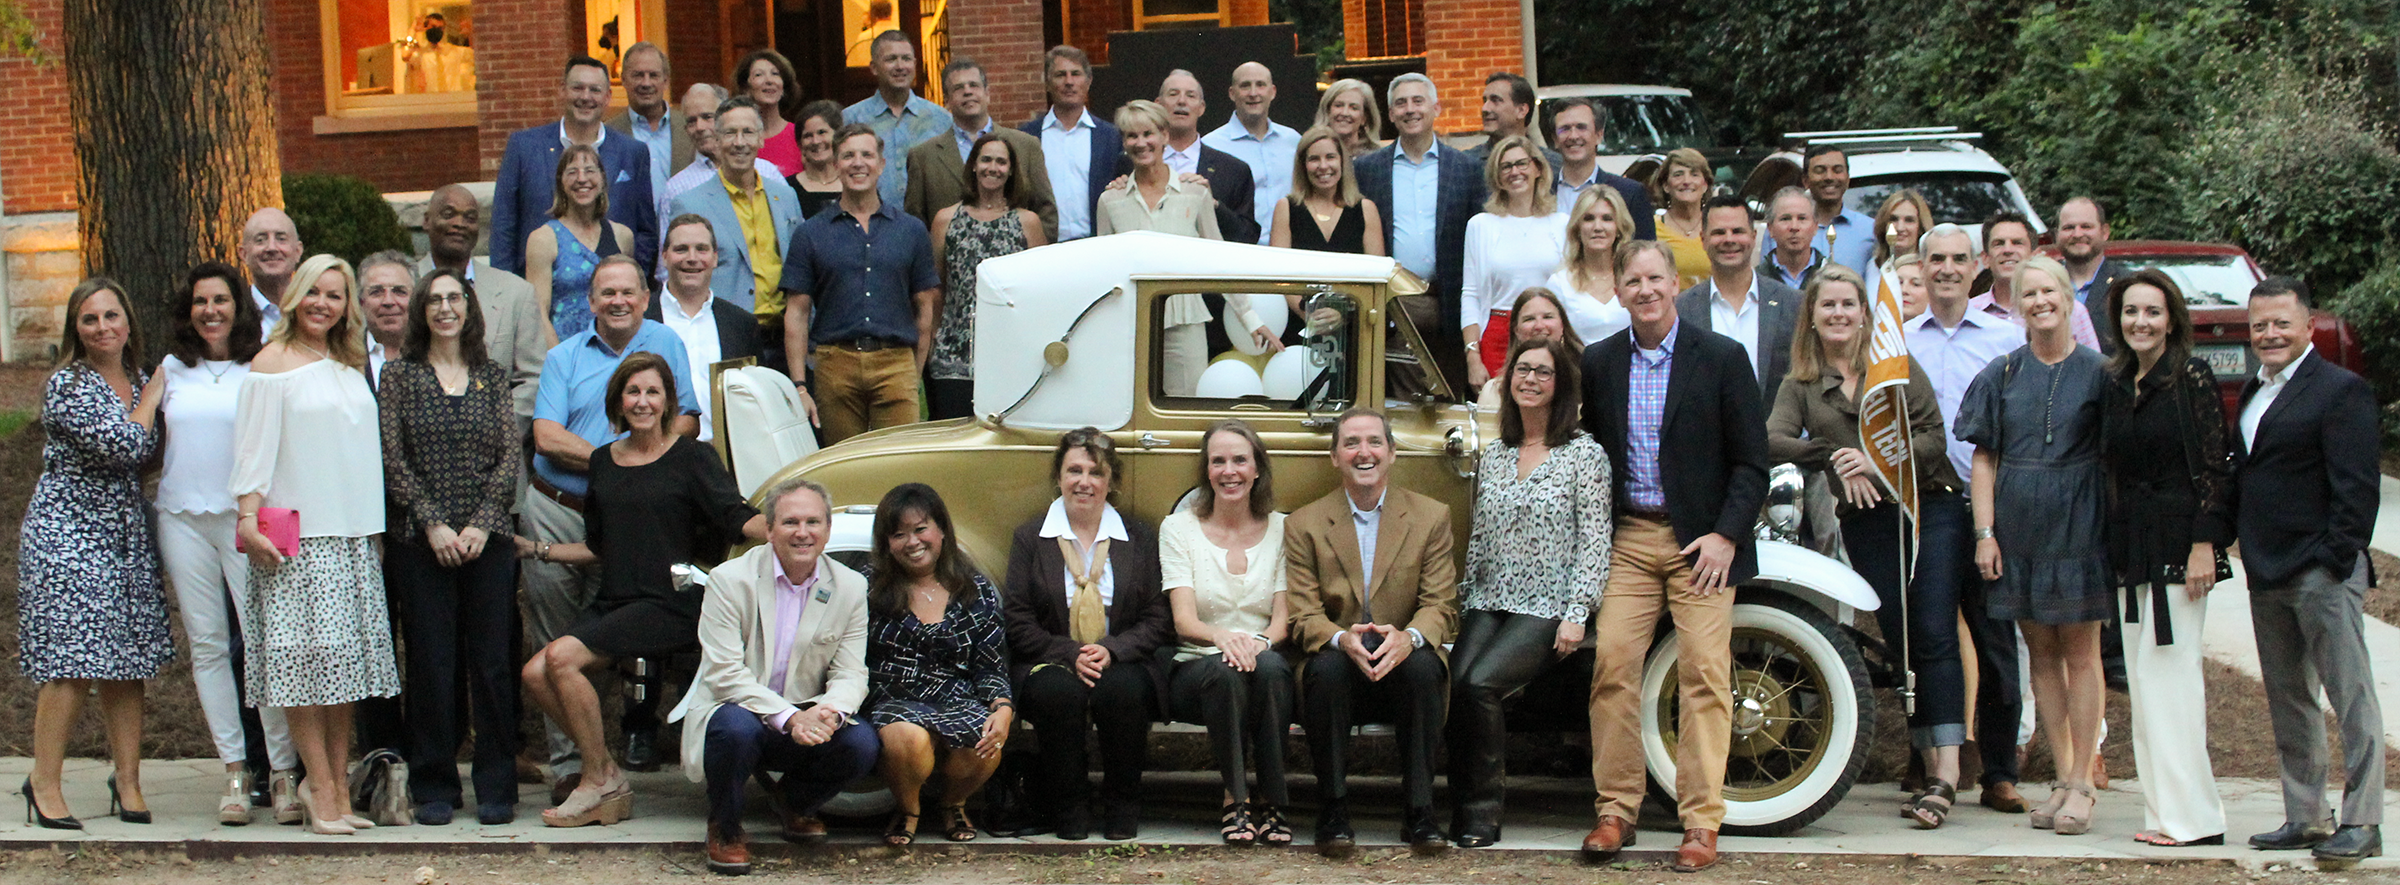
(1691, 231)
(2050, 403)
(216, 375)
(320, 354)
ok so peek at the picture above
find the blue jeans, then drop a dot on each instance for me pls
(1945, 555)
(739, 745)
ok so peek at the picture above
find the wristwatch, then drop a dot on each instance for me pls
(1983, 533)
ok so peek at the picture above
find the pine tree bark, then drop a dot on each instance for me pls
(175, 134)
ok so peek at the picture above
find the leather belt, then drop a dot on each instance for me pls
(567, 500)
(866, 344)
(1651, 515)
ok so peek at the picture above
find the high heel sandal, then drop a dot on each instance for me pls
(603, 804)
(2076, 823)
(233, 809)
(2045, 816)
(308, 809)
(896, 835)
(283, 791)
(1235, 825)
(955, 826)
(1267, 821)
(33, 813)
(127, 815)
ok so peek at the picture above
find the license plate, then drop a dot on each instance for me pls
(2226, 359)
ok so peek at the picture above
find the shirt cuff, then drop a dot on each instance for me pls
(1335, 644)
(780, 721)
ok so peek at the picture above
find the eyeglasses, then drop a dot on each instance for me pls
(446, 299)
(1514, 165)
(1537, 373)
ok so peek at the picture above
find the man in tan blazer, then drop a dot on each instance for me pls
(937, 169)
(783, 673)
(1381, 661)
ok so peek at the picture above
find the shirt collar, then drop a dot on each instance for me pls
(2268, 380)
(1082, 121)
(1974, 316)
(1234, 130)
(672, 306)
(1375, 512)
(1560, 180)
(1666, 346)
(908, 107)
(756, 187)
(784, 582)
(564, 141)
(1749, 298)
(969, 137)
(1112, 526)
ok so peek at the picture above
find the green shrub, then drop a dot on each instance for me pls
(342, 215)
(2372, 308)
(2297, 172)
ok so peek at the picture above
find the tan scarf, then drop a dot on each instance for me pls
(1087, 619)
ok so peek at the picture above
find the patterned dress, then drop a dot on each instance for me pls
(571, 276)
(940, 676)
(90, 604)
(966, 243)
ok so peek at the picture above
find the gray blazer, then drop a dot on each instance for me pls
(735, 281)
(1778, 313)
(513, 328)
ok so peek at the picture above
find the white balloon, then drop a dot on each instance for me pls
(1229, 379)
(1287, 374)
(1271, 310)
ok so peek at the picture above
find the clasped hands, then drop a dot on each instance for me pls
(1394, 647)
(813, 726)
(455, 548)
(1089, 661)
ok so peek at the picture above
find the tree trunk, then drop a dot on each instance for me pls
(175, 134)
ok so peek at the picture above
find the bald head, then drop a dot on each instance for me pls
(1253, 93)
(453, 221)
(270, 250)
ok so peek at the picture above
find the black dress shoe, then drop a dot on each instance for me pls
(1335, 837)
(2290, 837)
(1123, 821)
(1419, 833)
(641, 750)
(2352, 843)
(1074, 823)
(435, 814)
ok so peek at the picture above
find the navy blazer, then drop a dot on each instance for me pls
(737, 332)
(1231, 182)
(1108, 156)
(1778, 313)
(528, 172)
(2307, 491)
(1712, 455)
(1457, 197)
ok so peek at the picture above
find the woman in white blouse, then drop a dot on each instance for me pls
(306, 438)
(1513, 243)
(1154, 198)
(1536, 560)
(1222, 564)
(215, 334)
(1586, 280)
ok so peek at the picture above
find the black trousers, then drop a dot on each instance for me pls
(949, 398)
(1496, 656)
(461, 628)
(1061, 708)
(1246, 713)
(1336, 695)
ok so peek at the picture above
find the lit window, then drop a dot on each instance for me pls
(398, 59)
(1158, 14)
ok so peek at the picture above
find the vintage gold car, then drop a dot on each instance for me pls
(1068, 335)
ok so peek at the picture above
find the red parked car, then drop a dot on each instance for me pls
(2216, 279)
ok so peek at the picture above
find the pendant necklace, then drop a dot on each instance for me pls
(215, 375)
(2050, 404)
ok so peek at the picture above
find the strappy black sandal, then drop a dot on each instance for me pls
(955, 826)
(1235, 825)
(1267, 821)
(897, 835)
(1932, 805)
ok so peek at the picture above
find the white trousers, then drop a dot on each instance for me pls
(1183, 355)
(2170, 720)
(207, 574)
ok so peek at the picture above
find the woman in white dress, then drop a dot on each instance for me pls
(1586, 279)
(1513, 243)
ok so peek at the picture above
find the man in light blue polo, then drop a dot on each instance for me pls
(1846, 236)
(1252, 137)
(570, 420)
(899, 116)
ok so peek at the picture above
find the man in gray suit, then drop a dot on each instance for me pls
(937, 169)
(747, 272)
(1738, 302)
(512, 322)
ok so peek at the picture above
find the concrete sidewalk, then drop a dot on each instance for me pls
(1548, 816)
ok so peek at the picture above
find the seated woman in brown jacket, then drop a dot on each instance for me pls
(1084, 616)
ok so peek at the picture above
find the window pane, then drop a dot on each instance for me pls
(406, 47)
(1179, 7)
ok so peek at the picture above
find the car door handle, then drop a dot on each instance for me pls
(1148, 442)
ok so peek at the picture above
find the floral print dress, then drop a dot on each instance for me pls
(90, 602)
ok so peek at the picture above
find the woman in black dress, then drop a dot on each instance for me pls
(656, 499)
(1325, 212)
(937, 663)
(817, 184)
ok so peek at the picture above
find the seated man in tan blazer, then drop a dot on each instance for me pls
(783, 672)
(937, 169)
(1381, 661)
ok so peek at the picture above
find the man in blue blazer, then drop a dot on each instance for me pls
(740, 278)
(1083, 152)
(528, 171)
(1425, 224)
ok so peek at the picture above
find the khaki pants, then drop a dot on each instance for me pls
(858, 391)
(1647, 575)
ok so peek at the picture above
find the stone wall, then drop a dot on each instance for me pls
(39, 265)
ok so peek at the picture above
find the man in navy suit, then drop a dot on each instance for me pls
(528, 171)
(1082, 152)
(1229, 179)
(1427, 190)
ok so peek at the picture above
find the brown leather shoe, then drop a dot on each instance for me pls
(803, 829)
(728, 852)
(2002, 796)
(1698, 852)
(1610, 837)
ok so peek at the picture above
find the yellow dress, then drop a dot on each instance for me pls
(1691, 259)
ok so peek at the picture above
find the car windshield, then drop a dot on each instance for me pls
(1645, 124)
(1954, 197)
(2207, 281)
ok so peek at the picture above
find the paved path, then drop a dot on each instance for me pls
(1549, 815)
(2230, 640)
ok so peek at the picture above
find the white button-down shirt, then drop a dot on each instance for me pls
(269, 313)
(1067, 154)
(1186, 160)
(2270, 385)
(1739, 324)
(1270, 160)
(701, 349)
(376, 357)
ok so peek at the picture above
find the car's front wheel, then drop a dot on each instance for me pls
(1801, 715)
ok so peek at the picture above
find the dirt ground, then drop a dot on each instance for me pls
(1131, 865)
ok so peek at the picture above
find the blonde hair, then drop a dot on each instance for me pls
(1545, 198)
(1345, 192)
(1576, 252)
(1142, 109)
(1367, 131)
(1808, 348)
(1883, 219)
(346, 341)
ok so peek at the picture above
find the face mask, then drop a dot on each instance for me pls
(433, 35)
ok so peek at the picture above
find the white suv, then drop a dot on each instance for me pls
(1961, 183)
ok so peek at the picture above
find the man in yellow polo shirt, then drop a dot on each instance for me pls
(754, 216)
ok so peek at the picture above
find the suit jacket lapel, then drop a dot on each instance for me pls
(2292, 391)
(812, 619)
(1344, 536)
(1391, 534)
(1687, 340)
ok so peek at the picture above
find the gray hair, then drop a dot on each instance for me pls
(1946, 229)
(713, 89)
(1788, 191)
(1413, 77)
(777, 492)
(389, 256)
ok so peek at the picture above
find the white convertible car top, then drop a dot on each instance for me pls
(1026, 301)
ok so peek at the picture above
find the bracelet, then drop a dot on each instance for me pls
(1983, 533)
(542, 552)
(250, 515)
(1002, 704)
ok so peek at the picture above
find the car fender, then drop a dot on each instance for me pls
(1813, 575)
